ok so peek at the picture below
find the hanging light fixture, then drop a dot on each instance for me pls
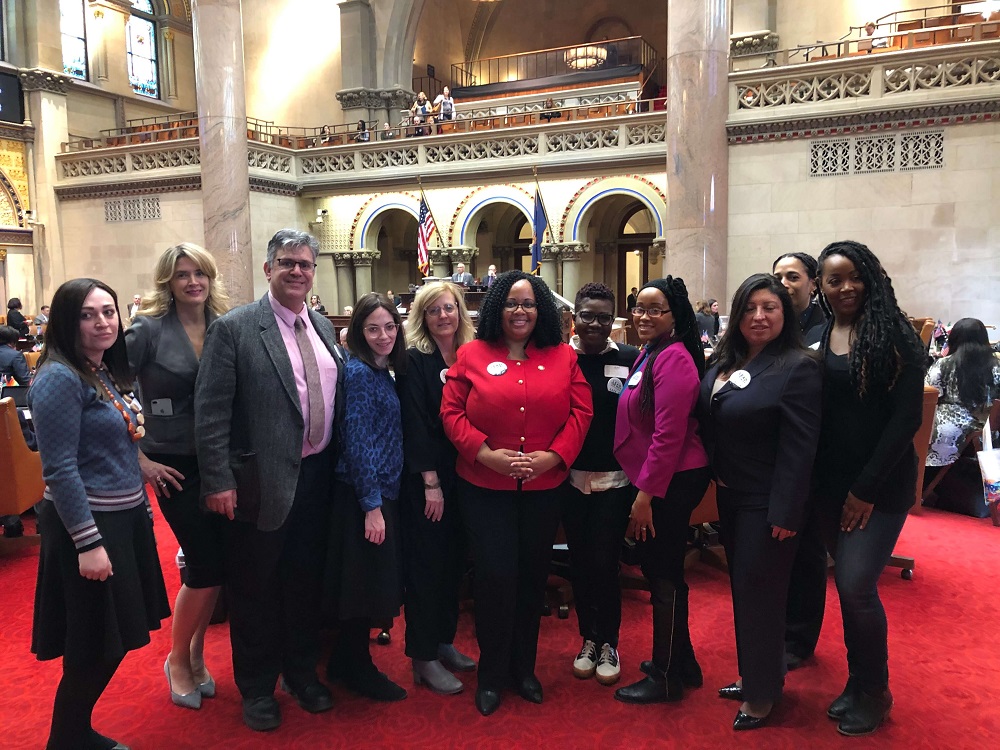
(586, 57)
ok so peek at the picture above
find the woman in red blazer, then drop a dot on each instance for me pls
(517, 409)
(657, 445)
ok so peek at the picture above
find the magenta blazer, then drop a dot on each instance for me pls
(651, 448)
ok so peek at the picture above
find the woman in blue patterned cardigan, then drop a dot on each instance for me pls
(100, 590)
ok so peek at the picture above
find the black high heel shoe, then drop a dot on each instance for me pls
(746, 721)
(733, 692)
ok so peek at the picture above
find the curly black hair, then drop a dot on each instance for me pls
(732, 349)
(685, 332)
(548, 327)
(883, 338)
(594, 290)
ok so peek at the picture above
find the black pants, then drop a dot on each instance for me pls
(434, 562)
(511, 535)
(806, 590)
(759, 570)
(595, 528)
(274, 578)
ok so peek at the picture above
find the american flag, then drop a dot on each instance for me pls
(425, 229)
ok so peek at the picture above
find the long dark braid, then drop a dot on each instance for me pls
(884, 340)
(685, 331)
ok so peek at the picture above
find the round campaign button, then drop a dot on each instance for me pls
(444, 374)
(740, 379)
(615, 385)
(634, 380)
(496, 368)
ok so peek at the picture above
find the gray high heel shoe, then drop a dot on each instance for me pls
(454, 659)
(207, 688)
(188, 700)
(436, 677)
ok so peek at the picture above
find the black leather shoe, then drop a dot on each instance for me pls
(691, 676)
(746, 721)
(732, 692)
(651, 689)
(261, 714)
(375, 685)
(314, 697)
(487, 701)
(530, 689)
(845, 701)
(867, 713)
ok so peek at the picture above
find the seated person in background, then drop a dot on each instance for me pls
(43, 316)
(12, 362)
(362, 136)
(325, 136)
(386, 133)
(548, 115)
(391, 295)
(461, 276)
(968, 380)
(134, 307)
(315, 303)
(15, 319)
(421, 112)
(444, 105)
(879, 41)
(348, 310)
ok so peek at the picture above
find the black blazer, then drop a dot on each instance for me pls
(12, 362)
(761, 439)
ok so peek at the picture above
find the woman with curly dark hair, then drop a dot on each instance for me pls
(865, 476)
(517, 409)
(657, 445)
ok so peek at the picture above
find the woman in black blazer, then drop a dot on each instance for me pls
(760, 415)
(866, 468)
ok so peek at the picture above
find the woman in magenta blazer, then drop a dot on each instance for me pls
(517, 408)
(657, 445)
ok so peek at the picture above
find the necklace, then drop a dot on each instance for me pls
(136, 431)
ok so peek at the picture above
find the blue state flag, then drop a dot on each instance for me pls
(538, 226)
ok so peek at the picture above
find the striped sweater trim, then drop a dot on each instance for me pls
(86, 534)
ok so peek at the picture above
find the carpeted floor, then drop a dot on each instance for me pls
(945, 666)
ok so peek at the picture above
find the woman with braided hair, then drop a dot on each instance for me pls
(865, 476)
(657, 445)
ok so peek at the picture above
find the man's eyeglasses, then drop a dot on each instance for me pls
(513, 304)
(287, 264)
(653, 312)
(374, 330)
(447, 309)
(605, 319)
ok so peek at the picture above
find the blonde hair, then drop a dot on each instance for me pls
(417, 333)
(159, 299)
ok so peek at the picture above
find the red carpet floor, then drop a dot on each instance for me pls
(944, 660)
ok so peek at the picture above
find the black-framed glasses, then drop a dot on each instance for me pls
(605, 319)
(287, 264)
(653, 312)
(374, 330)
(513, 304)
(435, 311)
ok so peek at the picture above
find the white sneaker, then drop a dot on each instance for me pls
(586, 661)
(608, 669)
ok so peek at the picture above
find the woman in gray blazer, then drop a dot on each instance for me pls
(164, 348)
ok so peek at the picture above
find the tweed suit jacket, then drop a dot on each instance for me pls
(246, 401)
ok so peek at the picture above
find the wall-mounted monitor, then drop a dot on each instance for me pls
(11, 100)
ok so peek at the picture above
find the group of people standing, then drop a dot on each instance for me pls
(327, 489)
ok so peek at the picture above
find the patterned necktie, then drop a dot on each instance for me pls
(317, 411)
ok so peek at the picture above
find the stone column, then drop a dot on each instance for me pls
(345, 283)
(358, 49)
(571, 253)
(440, 262)
(550, 266)
(657, 252)
(222, 127)
(696, 231)
(363, 270)
(169, 63)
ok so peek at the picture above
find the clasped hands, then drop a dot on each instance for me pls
(523, 466)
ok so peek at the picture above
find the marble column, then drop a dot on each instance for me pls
(222, 127)
(696, 230)
(440, 262)
(363, 270)
(358, 50)
(345, 283)
(461, 254)
(550, 266)
(571, 253)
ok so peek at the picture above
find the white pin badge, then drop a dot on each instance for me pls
(496, 368)
(615, 385)
(740, 379)
(541, 367)
(634, 380)
(444, 374)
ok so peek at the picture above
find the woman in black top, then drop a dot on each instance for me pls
(597, 498)
(433, 541)
(797, 273)
(865, 476)
(15, 319)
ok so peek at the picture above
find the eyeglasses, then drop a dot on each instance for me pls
(653, 312)
(287, 264)
(447, 309)
(374, 330)
(513, 304)
(605, 319)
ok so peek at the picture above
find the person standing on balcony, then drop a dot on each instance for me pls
(444, 105)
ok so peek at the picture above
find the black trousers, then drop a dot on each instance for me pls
(595, 529)
(511, 535)
(433, 565)
(759, 569)
(273, 580)
(807, 589)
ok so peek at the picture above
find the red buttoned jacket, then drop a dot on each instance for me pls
(542, 403)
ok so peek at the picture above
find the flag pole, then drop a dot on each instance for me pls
(423, 197)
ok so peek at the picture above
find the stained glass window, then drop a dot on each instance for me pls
(74, 38)
(140, 35)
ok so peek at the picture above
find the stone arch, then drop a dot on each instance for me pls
(11, 208)
(367, 222)
(462, 230)
(398, 42)
(572, 226)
